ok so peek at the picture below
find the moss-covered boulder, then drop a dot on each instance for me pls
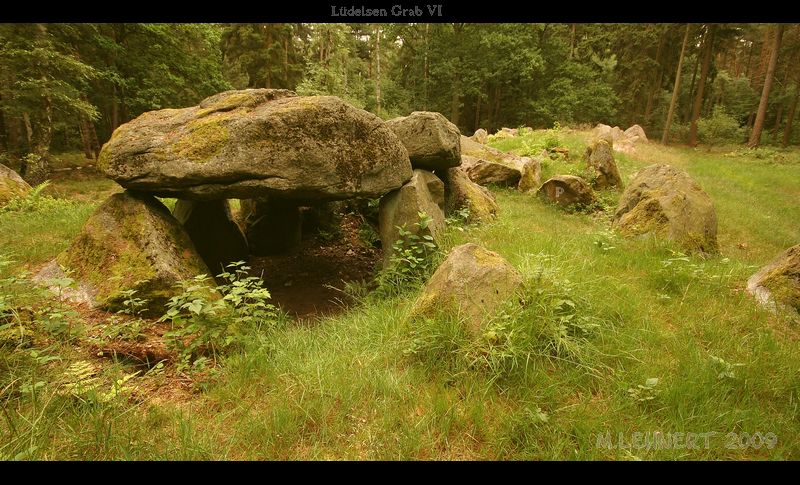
(11, 185)
(215, 235)
(462, 193)
(480, 135)
(485, 172)
(472, 281)
(567, 191)
(258, 142)
(433, 143)
(636, 134)
(131, 242)
(486, 165)
(423, 193)
(778, 283)
(599, 158)
(664, 201)
(530, 174)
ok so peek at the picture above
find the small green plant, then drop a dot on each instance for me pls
(725, 368)
(646, 392)
(204, 324)
(36, 201)
(412, 260)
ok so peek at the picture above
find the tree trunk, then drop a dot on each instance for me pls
(572, 42)
(425, 82)
(687, 113)
(787, 130)
(3, 132)
(657, 82)
(755, 136)
(758, 82)
(286, 63)
(477, 111)
(708, 49)
(378, 68)
(676, 88)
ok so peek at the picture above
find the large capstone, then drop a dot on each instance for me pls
(11, 185)
(258, 142)
(215, 235)
(778, 283)
(424, 193)
(662, 200)
(472, 281)
(599, 158)
(567, 190)
(131, 242)
(433, 143)
(461, 193)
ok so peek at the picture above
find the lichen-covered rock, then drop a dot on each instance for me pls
(472, 281)
(423, 193)
(432, 142)
(567, 190)
(480, 135)
(258, 142)
(664, 201)
(636, 134)
(215, 235)
(599, 157)
(460, 192)
(778, 283)
(487, 165)
(485, 172)
(131, 242)
(11, 185)
(531, 174)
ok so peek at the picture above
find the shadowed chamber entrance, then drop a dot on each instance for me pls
(308, 278)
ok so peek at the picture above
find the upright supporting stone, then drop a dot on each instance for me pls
(276, 227)
(424, 193)
(214, 233)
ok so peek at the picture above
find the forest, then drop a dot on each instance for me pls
(399, 241)
(69, 86)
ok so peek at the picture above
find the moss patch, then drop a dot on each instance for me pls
(204, 139)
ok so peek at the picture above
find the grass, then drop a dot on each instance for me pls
(373, 383)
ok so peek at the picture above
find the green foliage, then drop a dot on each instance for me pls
(204, 325)
(414, 256)
(719, 128)
(37, 201)
(549, 322)
(644, 393)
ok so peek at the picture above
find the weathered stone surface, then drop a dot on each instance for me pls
(274, 226)
(472, 281)
(460, 192)
(636, 134)
(487, 165)
(215, 235)
(531, 174)
(258, 142)
(599, 157)
(432, 142)
(131, 242)
(480, 135)
(778, 283)
(423, 193)
(11, 185)
(664, 201)
(485, 172)
(567, 190)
